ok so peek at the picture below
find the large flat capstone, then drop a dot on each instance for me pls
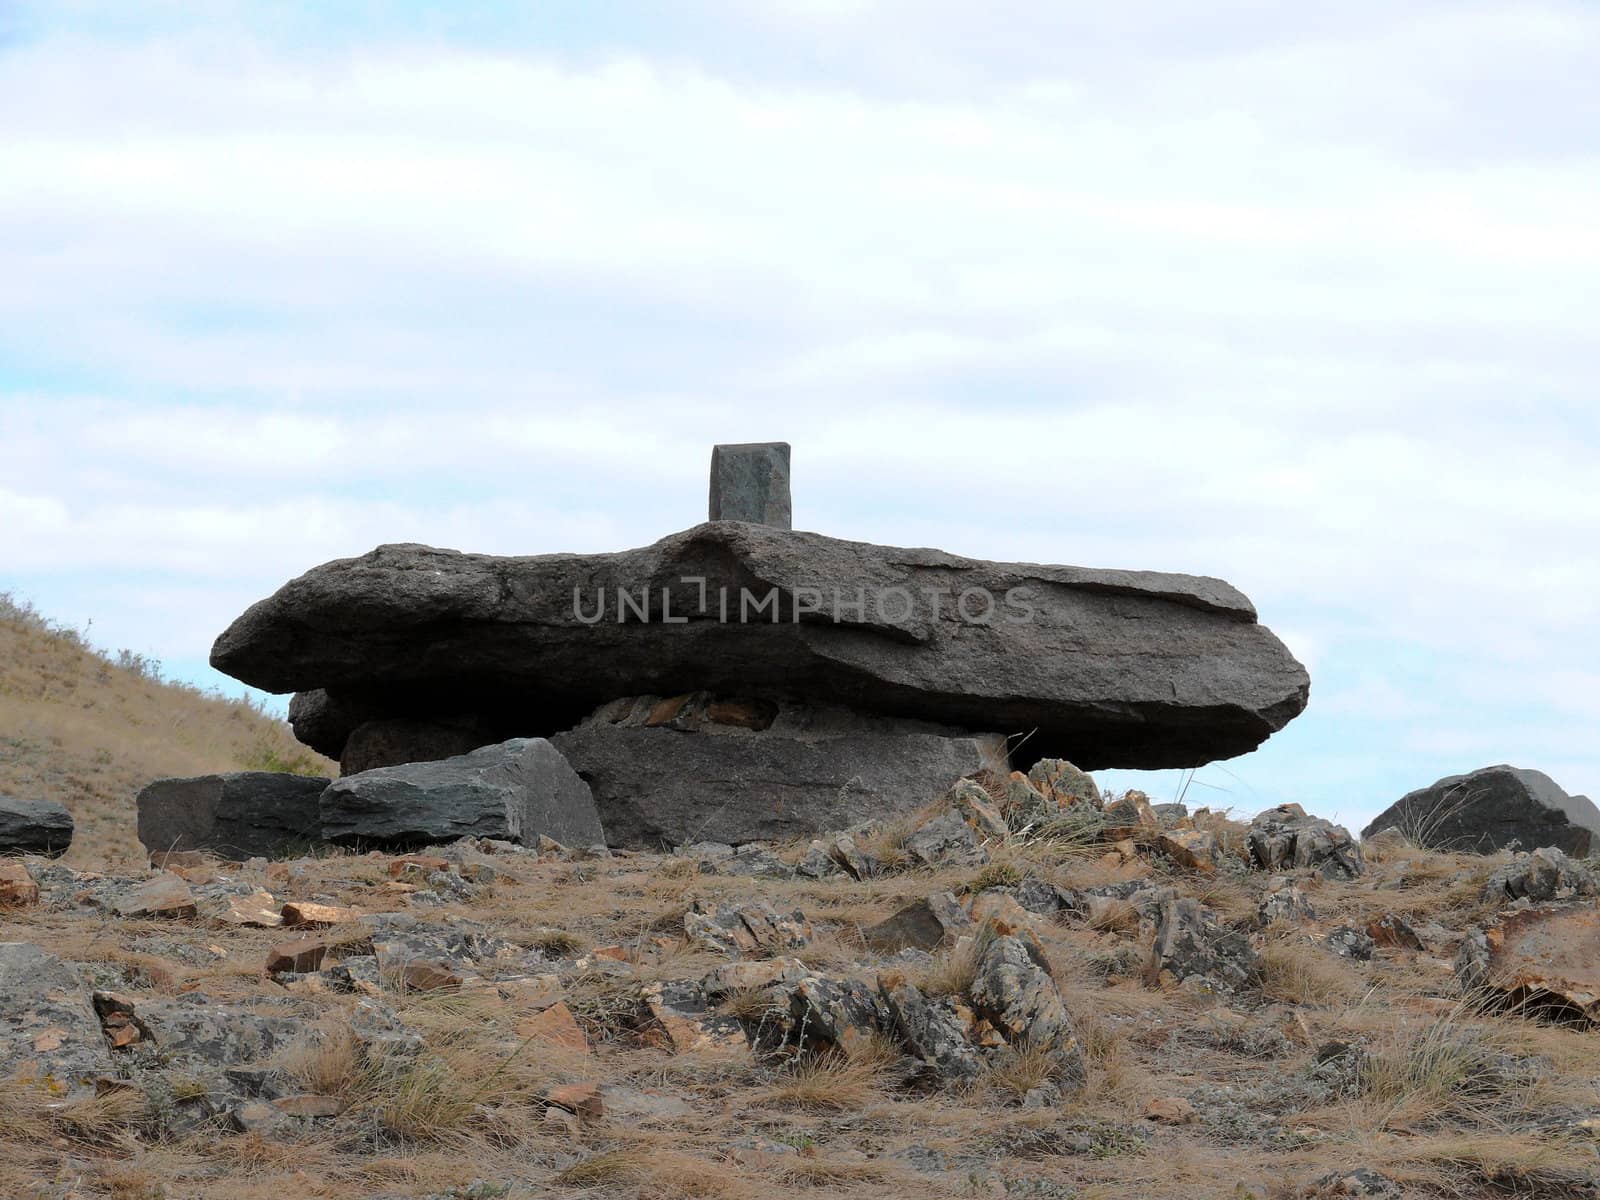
(1105, 668)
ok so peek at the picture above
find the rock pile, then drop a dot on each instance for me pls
(743, 680)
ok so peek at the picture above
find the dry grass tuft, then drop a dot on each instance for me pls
(1295, 971)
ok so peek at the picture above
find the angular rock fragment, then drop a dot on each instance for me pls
(1193, 849)
(1546, 874)
(50, 1037)
(841, 1013)
(1493, 808)
(1109, 668)
(752, 927)
(1014, 991)
(1192, 950)
(517, 791)
(17, 886)
(945, 840)
(690, 1022)
(1285, 838)
(237, 815)
(924, 924)
(932, 1029)
(34, 827)
(750, 482)
(1284, 900)
(1540, 959)
(164, 896)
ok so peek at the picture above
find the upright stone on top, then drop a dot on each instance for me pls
(750, 482)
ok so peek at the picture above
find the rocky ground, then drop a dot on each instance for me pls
(1025, 991)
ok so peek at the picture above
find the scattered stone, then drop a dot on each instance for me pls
(1350, 943)
(1546, 874)
(583, 1100)
(1542, 959)
(1190, 848)
(946, 840)
(555, 1026)
(842, 1013)
(745, 929)
(309, 1106)
(516, 790)
(852, 859)
(1192, 950)
(1014, 991)
(299, 955)
(1284, 900)
(1061, 783)
(682, 1011)
(925, 924)
(1493, 808)
(1362, 1182)
(1170, 1110)
(750, 482)
(50, 1037)
(17, 886)
(164, 896)
(34, 827)
(1129, 817)
(302, 912)
(934, 1030)
(1393, 932)
(237, 815)
(1285, 838)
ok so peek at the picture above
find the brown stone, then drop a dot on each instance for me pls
(1130, 817)
(925, 925)
(257, 909)
(302, 954)
(582, 1099)
(301, 912)
(1170, 1110)
(1001, 911)
(555, 1026)
(423, 863)
(1190, 848)
(1390, 930)
(429, 975)
(756, 715)
(667, 710)
(163, 896)
(1542, 958)
(17, 887)
(309, 1105)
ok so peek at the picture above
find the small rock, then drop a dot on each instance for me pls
(1285, 838)
(1191, 848)
(302, 954)
(933, 1030)
(555, 1026)
(318, 915)
(17, 888)
(257, 909)
(1350, 943)
(1392, 931)
(164, 896)
(843, 1013)
(1540, 877)
(925, 924)
(1170, 1110)
(683, 1013)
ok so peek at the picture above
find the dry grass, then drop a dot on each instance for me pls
(1297, 971)
(88, 731)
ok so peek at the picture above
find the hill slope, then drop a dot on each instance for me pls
(89, 729)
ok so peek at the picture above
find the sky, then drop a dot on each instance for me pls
(1303, 298)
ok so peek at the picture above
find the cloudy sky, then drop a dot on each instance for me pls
(1302, 297)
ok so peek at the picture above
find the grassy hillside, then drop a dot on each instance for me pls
(88, 729)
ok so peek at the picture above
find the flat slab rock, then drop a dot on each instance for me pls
(50, 1038)
(516, 790)
(238, 815)
(1106, 668)
(1494, 808)
(688, 778)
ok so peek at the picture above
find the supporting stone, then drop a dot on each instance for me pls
(750, 482)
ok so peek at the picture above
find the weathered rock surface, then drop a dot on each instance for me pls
(1494, 808)
(1546, 874)
(933, 1030)
(1285, 838)
(237, 815)
(49, 1035)
(924, 924)
(516, 791)
(1193, 950)
(1541, 958)
(1108, 668)
(750, 482)
(34, 827)
(693, 768)
(1014, 991)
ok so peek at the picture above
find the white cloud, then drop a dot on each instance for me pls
(1285, 302)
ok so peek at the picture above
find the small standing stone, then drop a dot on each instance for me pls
(750, 482)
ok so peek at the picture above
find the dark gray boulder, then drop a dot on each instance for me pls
(34, 827)
(750, 482)
(240, 814)
(517, 791)
(1494, 808)
(687, 779)
(1107, 668)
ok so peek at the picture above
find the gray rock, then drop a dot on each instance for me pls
(387, 742)
(237, 815)
(841, 1013)
(946, 840)
(1350, 943)
(924, 924)
(517, 791)
(1546, 874)
(1362, 1183)
(1014, 989)
(750, 482)
(34, 827)
(1285, 838)
(1108, 668)
(1493, 808)
(1284, 900)
(656, 784)
(1193, 950)
(932, 1031)
(50, 1038)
